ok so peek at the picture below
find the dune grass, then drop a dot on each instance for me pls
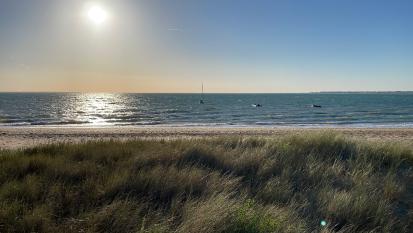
(228, 185)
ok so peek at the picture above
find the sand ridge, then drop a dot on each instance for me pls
(24, 137)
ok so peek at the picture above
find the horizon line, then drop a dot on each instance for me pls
(114, 92)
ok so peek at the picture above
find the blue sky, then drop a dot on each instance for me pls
(231, 46)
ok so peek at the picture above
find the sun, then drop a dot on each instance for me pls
(97, 14)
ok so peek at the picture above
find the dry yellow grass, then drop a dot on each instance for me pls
(226, 184)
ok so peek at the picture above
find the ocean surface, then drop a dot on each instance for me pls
(289, 110)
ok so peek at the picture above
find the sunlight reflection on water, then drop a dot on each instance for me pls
(96, 108)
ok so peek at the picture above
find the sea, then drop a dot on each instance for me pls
(358, 110)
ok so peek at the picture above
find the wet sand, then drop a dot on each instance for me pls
(24, 137)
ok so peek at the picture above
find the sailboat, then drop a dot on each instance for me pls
(201, 101)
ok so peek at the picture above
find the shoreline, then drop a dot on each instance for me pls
(26, 137)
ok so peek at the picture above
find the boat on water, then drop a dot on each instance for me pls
(256, 105)
(316, 106)
(201, 101)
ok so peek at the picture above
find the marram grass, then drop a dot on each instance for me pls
(308, 183)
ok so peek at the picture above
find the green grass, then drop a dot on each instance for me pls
(228, 185)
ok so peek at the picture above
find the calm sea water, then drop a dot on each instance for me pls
(67, 109)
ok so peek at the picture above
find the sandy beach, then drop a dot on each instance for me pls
(24, 137)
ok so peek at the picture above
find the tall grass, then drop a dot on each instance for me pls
(227, 184)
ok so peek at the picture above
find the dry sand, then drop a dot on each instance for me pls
(23, 137)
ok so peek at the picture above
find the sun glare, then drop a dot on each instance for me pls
(97, 14)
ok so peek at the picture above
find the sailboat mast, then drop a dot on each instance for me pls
(201, 101)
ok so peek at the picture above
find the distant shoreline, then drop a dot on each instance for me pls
(24, 137)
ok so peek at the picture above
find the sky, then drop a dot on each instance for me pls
(231, 46)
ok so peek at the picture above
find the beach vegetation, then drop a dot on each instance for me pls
(315, 182)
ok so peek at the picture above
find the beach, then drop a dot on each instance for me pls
(25, 137)
(206, 116)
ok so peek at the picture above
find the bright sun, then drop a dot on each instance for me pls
(97, 14)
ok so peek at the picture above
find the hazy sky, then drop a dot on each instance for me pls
(230, 45)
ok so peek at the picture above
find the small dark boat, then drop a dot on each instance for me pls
(316, 106)
(257, 105)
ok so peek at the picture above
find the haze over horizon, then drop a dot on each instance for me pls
(155, 46)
